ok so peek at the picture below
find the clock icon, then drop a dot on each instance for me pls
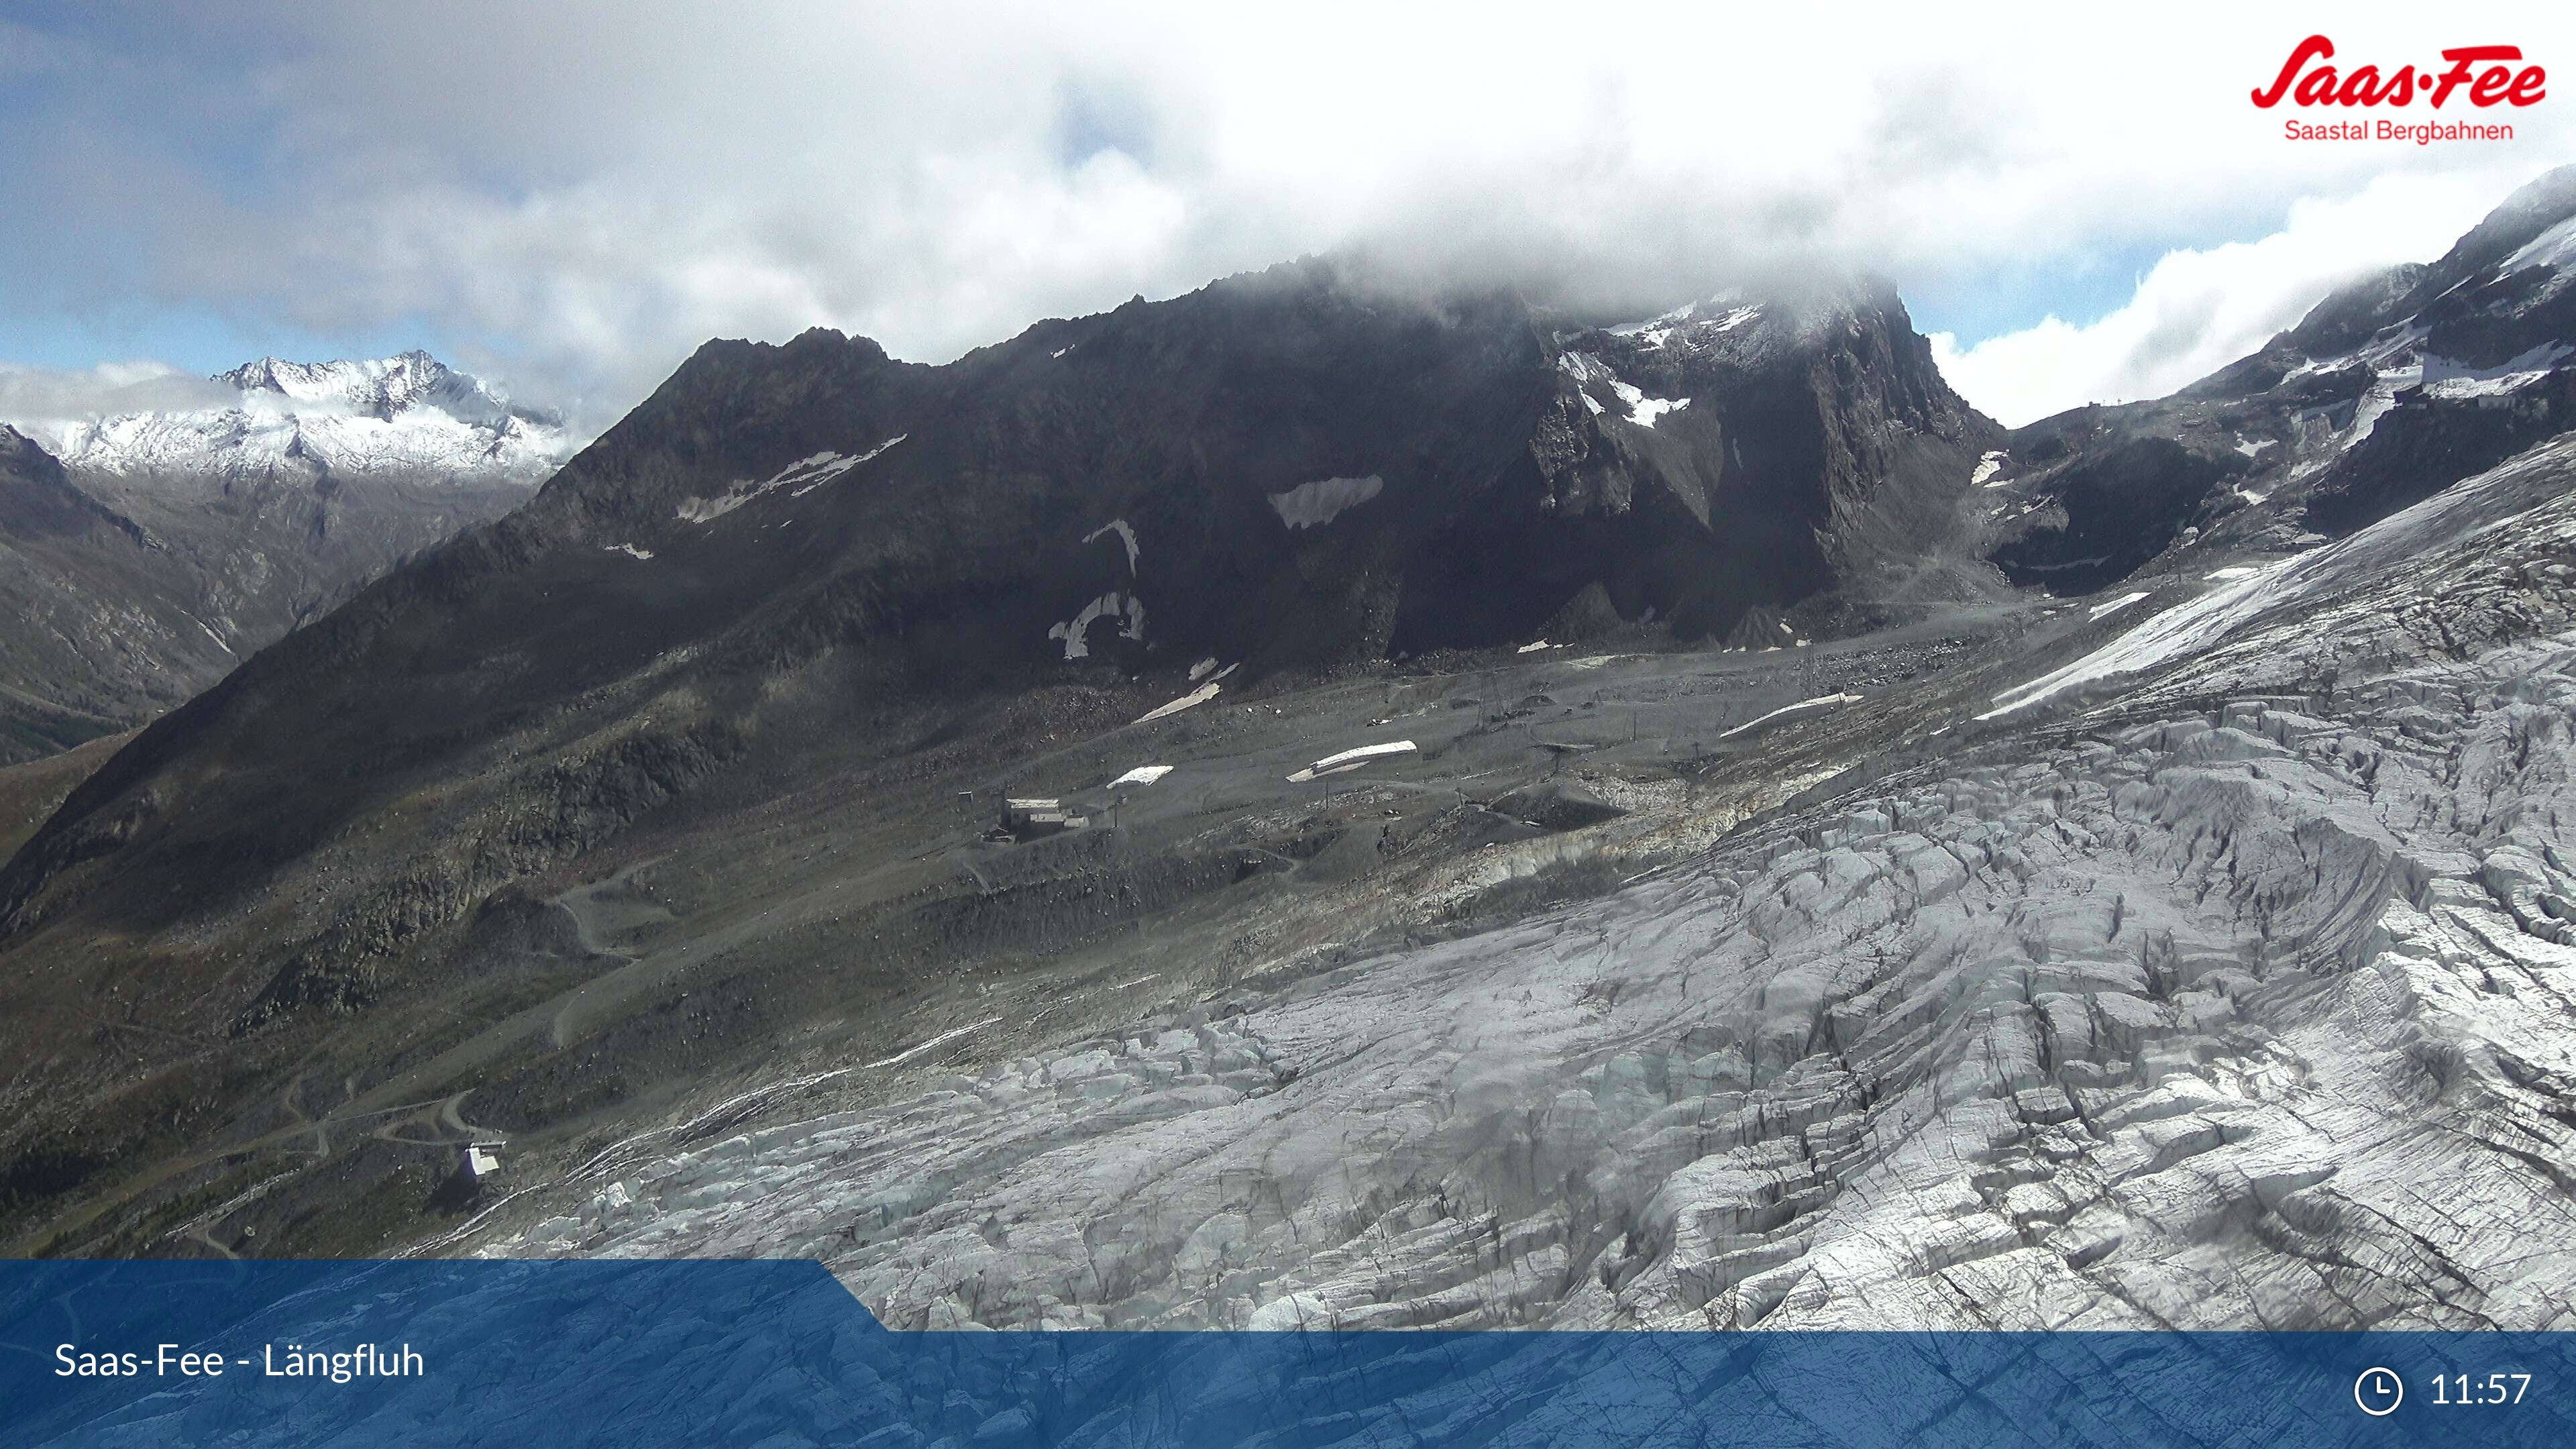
(2379, 1391)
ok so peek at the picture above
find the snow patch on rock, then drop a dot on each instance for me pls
(1312, 505)
(800, 477)
(1126, 534)
(1191, 700)
(1817, 705)
(1075, 632)
(2106, 610)
(1352, 759)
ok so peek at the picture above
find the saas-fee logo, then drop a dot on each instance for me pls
(2481, 77)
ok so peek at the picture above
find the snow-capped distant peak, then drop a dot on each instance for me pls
(383, 388)
(409, 414)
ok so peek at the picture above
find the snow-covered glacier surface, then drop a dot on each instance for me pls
(2226, 985)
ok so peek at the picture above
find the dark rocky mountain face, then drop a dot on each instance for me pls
(2389, 391)
(2124, 502)
(1291, 473)
(1279, 472)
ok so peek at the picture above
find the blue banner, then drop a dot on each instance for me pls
(778, 1354)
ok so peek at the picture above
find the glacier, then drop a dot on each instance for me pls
(2228, 984)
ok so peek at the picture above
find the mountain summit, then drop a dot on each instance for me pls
(387, 387)
(410, 417)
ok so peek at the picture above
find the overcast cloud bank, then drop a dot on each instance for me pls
(573, 197)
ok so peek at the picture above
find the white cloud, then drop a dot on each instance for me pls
(590, 195)
(2197, 310)
(42, 400)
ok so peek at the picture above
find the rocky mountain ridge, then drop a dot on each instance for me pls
(820, 514)
(2395, 387)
